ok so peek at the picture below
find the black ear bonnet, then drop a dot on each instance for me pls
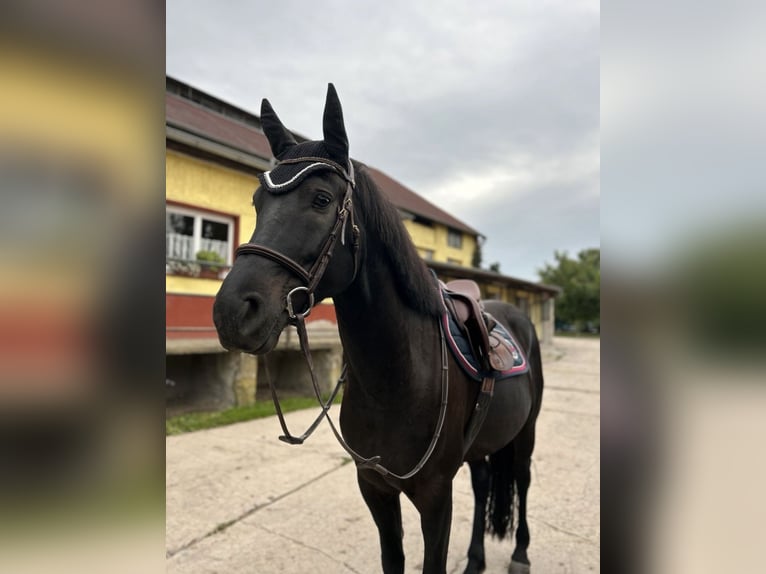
(299, 160)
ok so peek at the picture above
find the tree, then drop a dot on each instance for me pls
(580, 279)
(495, 267)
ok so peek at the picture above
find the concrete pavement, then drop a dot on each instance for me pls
(240, 501)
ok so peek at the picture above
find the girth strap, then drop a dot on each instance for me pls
(479, 413)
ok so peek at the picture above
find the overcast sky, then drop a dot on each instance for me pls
(488, 109)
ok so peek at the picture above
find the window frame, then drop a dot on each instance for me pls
(457, 236)
(199, 214)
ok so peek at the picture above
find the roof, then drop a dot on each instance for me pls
(193, 117)
(407, 200)
(486, 276)
(197, 119)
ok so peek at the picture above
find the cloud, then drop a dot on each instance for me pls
(525, 226)
(485, 108)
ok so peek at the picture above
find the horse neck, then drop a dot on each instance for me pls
(387, 344)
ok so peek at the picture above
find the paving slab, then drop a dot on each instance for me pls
(239, 500)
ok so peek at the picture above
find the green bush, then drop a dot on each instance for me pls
(209, 259)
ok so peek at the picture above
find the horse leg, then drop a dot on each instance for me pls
(523, 446)
(435, 507)
(480, 484)
(386, 510)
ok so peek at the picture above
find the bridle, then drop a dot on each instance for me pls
(311, 278)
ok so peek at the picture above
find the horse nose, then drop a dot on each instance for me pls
(236, 316)
(253, 317)
(228, 310)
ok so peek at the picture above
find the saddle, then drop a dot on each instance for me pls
(463, 301)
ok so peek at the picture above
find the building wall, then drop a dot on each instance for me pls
(433, 238)
(202, 372)
(197, 183)
(191, 339)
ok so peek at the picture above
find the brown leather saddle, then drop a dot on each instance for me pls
(463, 301)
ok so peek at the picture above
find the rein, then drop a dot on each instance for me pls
(311, 278)
(373, 462)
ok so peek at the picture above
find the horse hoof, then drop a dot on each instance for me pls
(518, 568)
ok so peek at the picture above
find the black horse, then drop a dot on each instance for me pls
(404, 396)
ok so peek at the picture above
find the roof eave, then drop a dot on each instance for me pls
(491, 275)
(184, 135)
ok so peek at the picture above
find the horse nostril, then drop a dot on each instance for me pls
(254, 302)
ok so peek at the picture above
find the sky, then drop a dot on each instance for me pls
(488, 109)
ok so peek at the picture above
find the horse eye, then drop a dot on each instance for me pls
(322, 200)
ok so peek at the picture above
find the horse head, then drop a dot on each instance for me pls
(305, 243)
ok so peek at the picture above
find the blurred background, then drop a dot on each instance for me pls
(683, 278)
(81, 300)
(81, 286)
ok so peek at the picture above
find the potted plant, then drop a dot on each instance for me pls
(184, 268)
(211, 264)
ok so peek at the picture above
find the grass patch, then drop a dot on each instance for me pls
(198, 421)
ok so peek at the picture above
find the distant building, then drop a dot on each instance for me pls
(214, 153)
(437, 235)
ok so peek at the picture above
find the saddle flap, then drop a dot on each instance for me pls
(478, 336)
(500, 353)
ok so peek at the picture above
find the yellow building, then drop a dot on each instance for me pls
(437, 235)
(214, 153)
(449, 246)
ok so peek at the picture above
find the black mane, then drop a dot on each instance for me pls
(414, 281)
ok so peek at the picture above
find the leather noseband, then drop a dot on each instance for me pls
(313, 276)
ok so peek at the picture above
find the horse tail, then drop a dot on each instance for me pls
(502, 492)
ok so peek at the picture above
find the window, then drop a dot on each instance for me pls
(454, 238)
(187, 232)
(422, 221)
(523, 304)
(454, 261)
(427, 254)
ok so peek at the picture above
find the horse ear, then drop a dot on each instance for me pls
(335, 138)
(280, 139)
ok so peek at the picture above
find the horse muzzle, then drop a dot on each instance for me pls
(243, 323)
